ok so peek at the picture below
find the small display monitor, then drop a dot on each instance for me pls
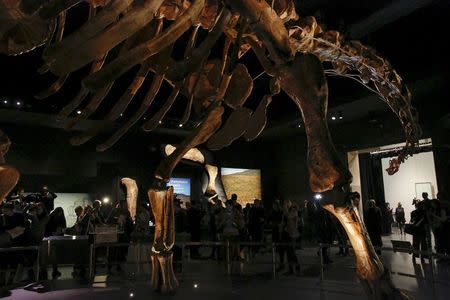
(181, 188)
(245, 183)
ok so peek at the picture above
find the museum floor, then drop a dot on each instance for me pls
(206, 279)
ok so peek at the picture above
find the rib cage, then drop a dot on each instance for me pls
(144, 42)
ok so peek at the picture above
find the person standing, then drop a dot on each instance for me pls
(437, 217)
(400, 218)
(373, 220)
(289, 236)
(194, 218)
(256, 224)
(419, 234)
(276, 218)
(47, 197)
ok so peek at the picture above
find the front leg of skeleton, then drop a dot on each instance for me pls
(304, 81)
(161, 199)
(163, 278)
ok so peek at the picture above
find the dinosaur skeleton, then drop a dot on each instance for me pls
(9, 176)
(291, 50)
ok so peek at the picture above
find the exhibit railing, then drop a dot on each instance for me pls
(142, 250)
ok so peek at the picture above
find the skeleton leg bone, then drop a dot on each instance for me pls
(161, 199)
(9, 176)
(304, 81)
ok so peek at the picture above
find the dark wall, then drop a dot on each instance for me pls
(44, 155)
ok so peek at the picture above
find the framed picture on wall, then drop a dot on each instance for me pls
(424, 187)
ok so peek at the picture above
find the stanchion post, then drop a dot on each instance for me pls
(138, 259)
(274, 262)
(107, 257)
(183, 259)
(321, 262)
(38, 263)
(91, 262)
(228, 257)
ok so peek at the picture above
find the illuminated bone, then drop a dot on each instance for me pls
(21, 32)
(193, 154)
(163, 277)
(9, 176)
(132, 195)
(286, 47)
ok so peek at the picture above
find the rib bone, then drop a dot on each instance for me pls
(106, 17)
(153, 91)
(132, 22)
(122, 64)
(201, 134)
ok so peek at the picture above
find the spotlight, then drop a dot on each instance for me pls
(18, 103)
(180, 125)
(121, 115)
(160, 122)
(299, 125)
(5, 101)
(148, 204)
(317, 196)
(131, 295)
(333, 118)
(340, 115)
(78, 112)
(74, 237)
(106, 200)
(195, 285)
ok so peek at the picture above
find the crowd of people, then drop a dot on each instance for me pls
(428, 219)
(288, 223)
(26, 220)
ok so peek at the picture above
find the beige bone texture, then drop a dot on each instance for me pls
(290, 49)
(9, 176)
(132, 195)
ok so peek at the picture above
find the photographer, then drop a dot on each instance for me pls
(48, 198)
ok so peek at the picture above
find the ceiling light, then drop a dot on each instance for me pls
(333, 118)
(160, 122)
(180, 125)
(299, 125)
(78, 112)
(121, 115)
(317, 196)
(340, 115)
(18, 103)
(106, 200)
(5, 101)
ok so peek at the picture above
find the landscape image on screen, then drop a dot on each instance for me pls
(182, 189)
(245, 183)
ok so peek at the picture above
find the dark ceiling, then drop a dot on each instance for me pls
(411, 34)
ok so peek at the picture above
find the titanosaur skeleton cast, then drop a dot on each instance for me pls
(121, 34)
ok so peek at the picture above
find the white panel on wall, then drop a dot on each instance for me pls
(68, 202)
(401, 187)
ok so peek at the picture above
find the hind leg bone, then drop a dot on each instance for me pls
(304, 81)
